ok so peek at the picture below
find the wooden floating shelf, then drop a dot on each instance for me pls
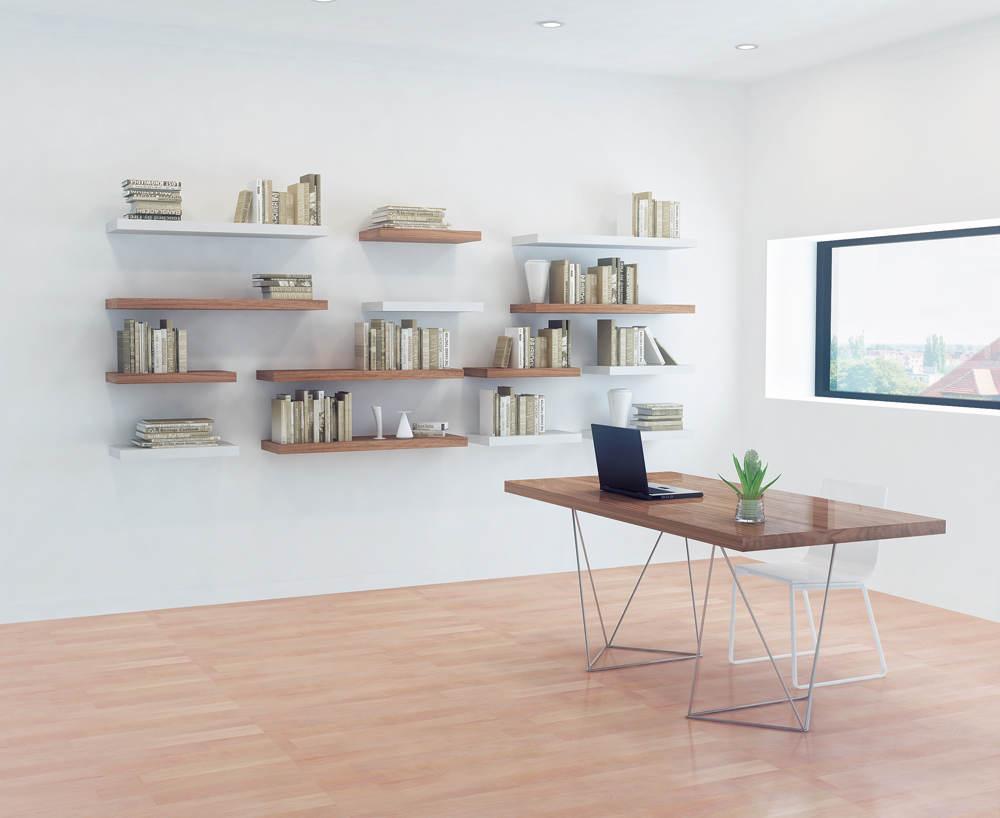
(296, 375)
(131, 453)
(200, 376)
(604, 309)
(367, 444)
(671, 434)
(638, 370)
(420, 236)
(144, 227)
(212, 304)
(508, 372)
(551, 436)
(422, 306)
(603, 242)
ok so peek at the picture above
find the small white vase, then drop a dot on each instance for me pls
(377, 411)
(404, 431)
(619, 402)
(537, 271)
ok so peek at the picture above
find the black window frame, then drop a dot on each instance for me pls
(824, 307)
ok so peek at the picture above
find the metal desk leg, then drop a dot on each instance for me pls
(609, 641)
(707, 715)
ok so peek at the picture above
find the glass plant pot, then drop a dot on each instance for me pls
(750, 511)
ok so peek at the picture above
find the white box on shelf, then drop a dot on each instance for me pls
(131, 453)
(685, 369)
(551, 436)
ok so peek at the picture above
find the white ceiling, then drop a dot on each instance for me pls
(680, 38)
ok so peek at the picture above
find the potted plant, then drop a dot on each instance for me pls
(750, 506)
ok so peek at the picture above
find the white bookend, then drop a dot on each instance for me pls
(486, 411)
(653, 356)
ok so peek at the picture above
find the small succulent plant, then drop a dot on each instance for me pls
(751, 475)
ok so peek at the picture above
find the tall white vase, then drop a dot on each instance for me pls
(619, 402)
(377, 411)
(537, 271)
(404, 431)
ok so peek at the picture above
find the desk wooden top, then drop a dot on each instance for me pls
(791, 520)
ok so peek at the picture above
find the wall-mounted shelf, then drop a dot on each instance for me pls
(600, 242)
(142, 227)
(297, 375)
(508, 372)
(678, 434)
(198, 376)
(603, 309)
(212, 304)
(131, 453)
(551, 436)
(422, 306)
(419, 235)
(686, 369)
(367, 444)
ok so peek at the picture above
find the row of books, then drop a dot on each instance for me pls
(629, 346)
(145, 349)
(552, 348)
(649, 217)
(610, 282)
(284, 285)
(502, 413)
(658, 417)
(311, 417)
(409, 217)
(174, 433)
(383, 344)
(300, 203)
(152, 199)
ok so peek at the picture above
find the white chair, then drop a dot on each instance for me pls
(854, 563)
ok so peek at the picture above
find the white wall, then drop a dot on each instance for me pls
(905, 136)
(508, 149)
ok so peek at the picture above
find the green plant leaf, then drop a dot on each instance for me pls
(724, 480)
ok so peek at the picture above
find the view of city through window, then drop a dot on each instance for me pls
(917, 318)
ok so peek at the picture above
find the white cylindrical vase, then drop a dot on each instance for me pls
(377, 411)
(619, 402)
(537, 272)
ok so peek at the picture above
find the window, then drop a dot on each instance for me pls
(912, 318)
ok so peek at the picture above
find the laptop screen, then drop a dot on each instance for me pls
(620, 462)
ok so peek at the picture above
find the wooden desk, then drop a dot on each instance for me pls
(791, 520)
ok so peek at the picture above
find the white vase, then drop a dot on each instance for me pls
(377, 411)
(404, 431)
(619, 402)
(537, 271)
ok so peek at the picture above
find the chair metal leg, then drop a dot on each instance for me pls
(803, 723)
(675, 655)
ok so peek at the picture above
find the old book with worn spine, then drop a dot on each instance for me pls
(501, 356)
(242, 207)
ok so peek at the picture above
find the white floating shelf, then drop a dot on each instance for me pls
(551, 436)
(604, 242)
(231, 230)
(678, 434)
(131, 452)
(638, 370)
(422, 306)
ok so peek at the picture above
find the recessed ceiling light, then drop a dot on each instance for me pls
(746, 46)
(323, 1)
(550, 24)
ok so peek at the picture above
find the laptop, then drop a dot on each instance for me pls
(621, 466)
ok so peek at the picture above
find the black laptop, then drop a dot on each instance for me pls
(621, 466)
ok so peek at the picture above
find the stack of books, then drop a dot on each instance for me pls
(174, 433)
(516, 349)
(658, 417)
(312, 417)
(503, 413)
(629, 346)
(421, 218)
(648, 217)
(383, 344)
(284, 285)
(610, 282)
(299, 204)
(430, 428)
(152, 199)
(143, 349)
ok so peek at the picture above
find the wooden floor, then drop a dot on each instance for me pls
(471, 699)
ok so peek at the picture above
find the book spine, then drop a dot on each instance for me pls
(120, 338)
(182, 350)
(446, 355)
(273, 209)
(541, 414)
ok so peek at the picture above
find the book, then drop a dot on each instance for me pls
(409, 210)
(299, 193)
(303, 296)
(130, 194)
(152, 217)
(566, 349)
(668, 359)
(413, 225)
(151, 184)
(169, 208)
(607, 342)
(268, 276)
(658, 426)
(428, 433)
(429, 425)
(310, 179)
(501, 356)
(395, 215)
(559, 282)
(243, 202)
